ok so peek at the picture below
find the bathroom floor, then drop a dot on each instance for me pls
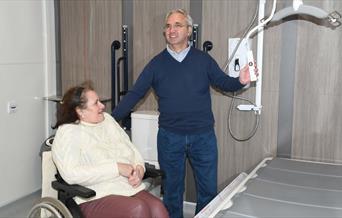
(21, 208)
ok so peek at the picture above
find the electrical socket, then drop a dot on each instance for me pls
(12, 107)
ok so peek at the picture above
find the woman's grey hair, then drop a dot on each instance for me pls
(180, 11)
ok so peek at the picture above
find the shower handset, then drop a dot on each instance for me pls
(251, 66)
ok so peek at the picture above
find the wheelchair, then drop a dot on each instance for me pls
(57, 195)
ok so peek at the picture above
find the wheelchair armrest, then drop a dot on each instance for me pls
(67, 192)
(152, 172)
(73, 190)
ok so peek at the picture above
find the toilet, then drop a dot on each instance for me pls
(144, 132)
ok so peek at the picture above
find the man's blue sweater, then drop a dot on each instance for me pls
(182, 89)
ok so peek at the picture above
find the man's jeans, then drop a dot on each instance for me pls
(201, 150)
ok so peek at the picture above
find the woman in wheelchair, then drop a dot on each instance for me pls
(91, 149)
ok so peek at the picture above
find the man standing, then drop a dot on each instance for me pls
(181, 77)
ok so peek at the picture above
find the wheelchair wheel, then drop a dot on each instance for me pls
(48, 207)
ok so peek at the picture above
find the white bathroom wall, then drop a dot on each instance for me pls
(27, 74)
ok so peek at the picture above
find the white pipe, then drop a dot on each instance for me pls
(260, 51)
(49, 61)
(46, 65)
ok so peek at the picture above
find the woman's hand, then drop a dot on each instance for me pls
(140, 171)
(125, 170)
(136, 177)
